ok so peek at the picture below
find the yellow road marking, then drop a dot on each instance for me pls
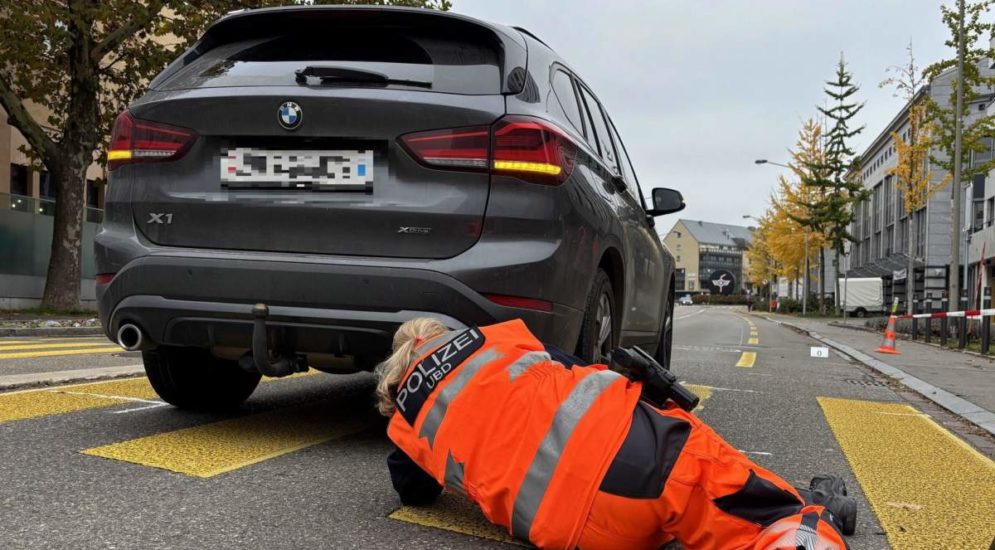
(43, 346)
(747, 359)
(55, 353)
(454, 513)
(219, 447)
(753, 341)
(703, 393)
(49, 401)
(928, 488)
(22, 405)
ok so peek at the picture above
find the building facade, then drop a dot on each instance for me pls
(882, 227)
(710, 257)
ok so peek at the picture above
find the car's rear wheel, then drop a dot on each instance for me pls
(597, 332)
(191, 378)
(665, 346)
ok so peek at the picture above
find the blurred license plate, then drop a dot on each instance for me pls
(251, 168)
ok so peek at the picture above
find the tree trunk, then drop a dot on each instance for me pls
(822, 281)
(62, 284)
(836, 283)
(68, 168)
(910, 280)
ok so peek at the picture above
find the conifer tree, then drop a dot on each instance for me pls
(839, 189)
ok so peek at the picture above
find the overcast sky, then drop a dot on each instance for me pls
(700, 89)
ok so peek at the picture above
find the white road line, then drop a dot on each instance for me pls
(146, 407)
(100, 395)
(696, 312)
(722, 389)
(755, 453)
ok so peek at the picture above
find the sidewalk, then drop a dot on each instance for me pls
(959, 382)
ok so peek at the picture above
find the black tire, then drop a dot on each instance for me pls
(191, 378)
(665, 347)
(860, 312)
(597, 331)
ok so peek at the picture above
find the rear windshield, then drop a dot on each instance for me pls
(418, 60)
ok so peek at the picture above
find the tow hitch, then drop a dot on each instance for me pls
(260, 359)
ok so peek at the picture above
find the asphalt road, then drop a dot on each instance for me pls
(106, 465)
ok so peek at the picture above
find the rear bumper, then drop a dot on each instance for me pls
(314, 307)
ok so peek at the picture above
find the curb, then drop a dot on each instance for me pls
(56, 331)
(21, 381)
(974, 414)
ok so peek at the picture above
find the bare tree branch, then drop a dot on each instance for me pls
(24, 122)
(122, 33)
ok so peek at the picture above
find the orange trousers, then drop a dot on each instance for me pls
(713, 498)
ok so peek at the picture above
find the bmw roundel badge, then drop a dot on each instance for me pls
(290, 115)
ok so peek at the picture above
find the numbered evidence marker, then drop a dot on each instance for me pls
(818, 351)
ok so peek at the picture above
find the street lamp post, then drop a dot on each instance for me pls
(805, 279)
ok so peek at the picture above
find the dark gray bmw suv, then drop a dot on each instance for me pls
(305, 179)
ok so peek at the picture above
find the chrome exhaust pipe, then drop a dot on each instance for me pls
(130, 338)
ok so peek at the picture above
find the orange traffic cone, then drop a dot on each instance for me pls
(889, 338)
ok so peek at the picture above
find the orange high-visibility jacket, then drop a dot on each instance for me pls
(487, 413)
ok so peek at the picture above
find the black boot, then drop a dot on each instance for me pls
(830, 492)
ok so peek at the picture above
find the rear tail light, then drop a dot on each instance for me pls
(135, 140)
(454, 148)
(532, 149)
(104, 278)
(528, 148)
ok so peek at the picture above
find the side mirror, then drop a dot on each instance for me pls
(666, 201)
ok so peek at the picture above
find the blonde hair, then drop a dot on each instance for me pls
(407, 339)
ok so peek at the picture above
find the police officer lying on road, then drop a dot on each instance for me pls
(569, 456)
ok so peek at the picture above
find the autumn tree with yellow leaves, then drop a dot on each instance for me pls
(788, 229)
(762, 267)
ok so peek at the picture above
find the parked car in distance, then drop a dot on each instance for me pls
(685, 300)
(306, 178)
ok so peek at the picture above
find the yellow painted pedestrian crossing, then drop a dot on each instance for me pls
(6, 347)
(212, 449)
(57, 353)
(31, 349)
(23, 405)
(928, 488)
(454, 513)
(27, 404)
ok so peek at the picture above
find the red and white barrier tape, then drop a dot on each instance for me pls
(971, 314)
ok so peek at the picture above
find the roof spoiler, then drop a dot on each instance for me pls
(259, 23)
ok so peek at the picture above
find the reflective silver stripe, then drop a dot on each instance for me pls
(437, 342)
(454, 474)
(523, 363)
(540, 472)
(452, 389)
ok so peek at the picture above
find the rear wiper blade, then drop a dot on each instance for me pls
(341, 75)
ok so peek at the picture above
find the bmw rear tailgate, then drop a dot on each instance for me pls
(278, 161)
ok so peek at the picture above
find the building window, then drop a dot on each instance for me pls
(678, 258)
(678, 234)
(979, 215)
(46, 187)
(991, 211)
(920, 219)
(20, 183)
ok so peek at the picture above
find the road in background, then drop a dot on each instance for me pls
(108, 464)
